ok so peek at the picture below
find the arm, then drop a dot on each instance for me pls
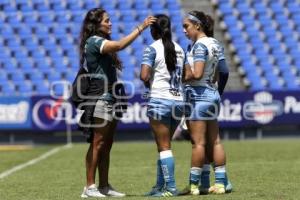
(114, 46)
(198, 70)
(200, 53)
(187, 73)
(223, 75)
(145, 73)
(148, 62)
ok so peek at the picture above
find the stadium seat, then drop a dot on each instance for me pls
(269, 38)
(8, 89)
(25, 88)
(42, 88)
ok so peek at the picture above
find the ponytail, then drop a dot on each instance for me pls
(210, 28)
(163, 27)
(169, 50)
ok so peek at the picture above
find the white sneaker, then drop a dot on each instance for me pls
(110, 191)
(91, 191)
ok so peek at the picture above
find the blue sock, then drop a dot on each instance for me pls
(195, 175)
(226, 179)
(168, 166)
(220, 175)
(160, 182)
(205, 182)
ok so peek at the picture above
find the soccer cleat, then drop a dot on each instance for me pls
(155, 189)
(110, 191)
(228, 187)
(91, 191)
(217, 189)
(166, 193)
(203, 190)
(191, 189)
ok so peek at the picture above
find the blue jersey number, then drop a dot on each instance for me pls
(175, 81)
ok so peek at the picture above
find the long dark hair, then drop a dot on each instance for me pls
(90, 27)
(162, 28)
(207, 22)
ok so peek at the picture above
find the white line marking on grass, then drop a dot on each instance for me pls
(33, 161)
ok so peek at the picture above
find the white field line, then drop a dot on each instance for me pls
(33, 161)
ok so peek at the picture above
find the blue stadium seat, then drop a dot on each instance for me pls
(3, 75)
(171, 5)
(62, 16)
(8, 89)
(7, 8)
(226, 9)
(77, 17)
(25, 88)
(124, 5)
(17, 76)
(140, 5)
(58, 6)
(36, 76)
(109, 5)
(276, 7)
(54, 76)
(26, 7)
(41, 6)
(75, 5)
(46, 17)
(29, 17)
(89, 4)
(42, 88)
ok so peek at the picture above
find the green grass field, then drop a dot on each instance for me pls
(267, 169)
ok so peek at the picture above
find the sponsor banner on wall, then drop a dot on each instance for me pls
(52, 114)
(136, 115)
(238, 109)
(15, 113)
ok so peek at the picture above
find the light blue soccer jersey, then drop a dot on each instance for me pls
(162, 83)
(206, 50)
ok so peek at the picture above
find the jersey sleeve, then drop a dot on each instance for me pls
(222, 66)
(221, 53)
(200, 52)
(96, 44)
(149, 56)
(186, 61)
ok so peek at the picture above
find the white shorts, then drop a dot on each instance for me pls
(104, 110)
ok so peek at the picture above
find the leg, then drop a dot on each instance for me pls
(216, 151)
(92, 157)
(162, 135)
(166, 163)
(219, 158)
(205, 175)
(95, 148)
(197, 132)
(104, 157)
(104, 161)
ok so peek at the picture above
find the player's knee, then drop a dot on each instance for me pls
(98, 142)
(200, 144)
(163, 146)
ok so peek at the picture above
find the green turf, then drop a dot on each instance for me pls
(257, 169)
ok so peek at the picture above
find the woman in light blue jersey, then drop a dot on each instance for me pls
(161, 71)
(203, 101)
